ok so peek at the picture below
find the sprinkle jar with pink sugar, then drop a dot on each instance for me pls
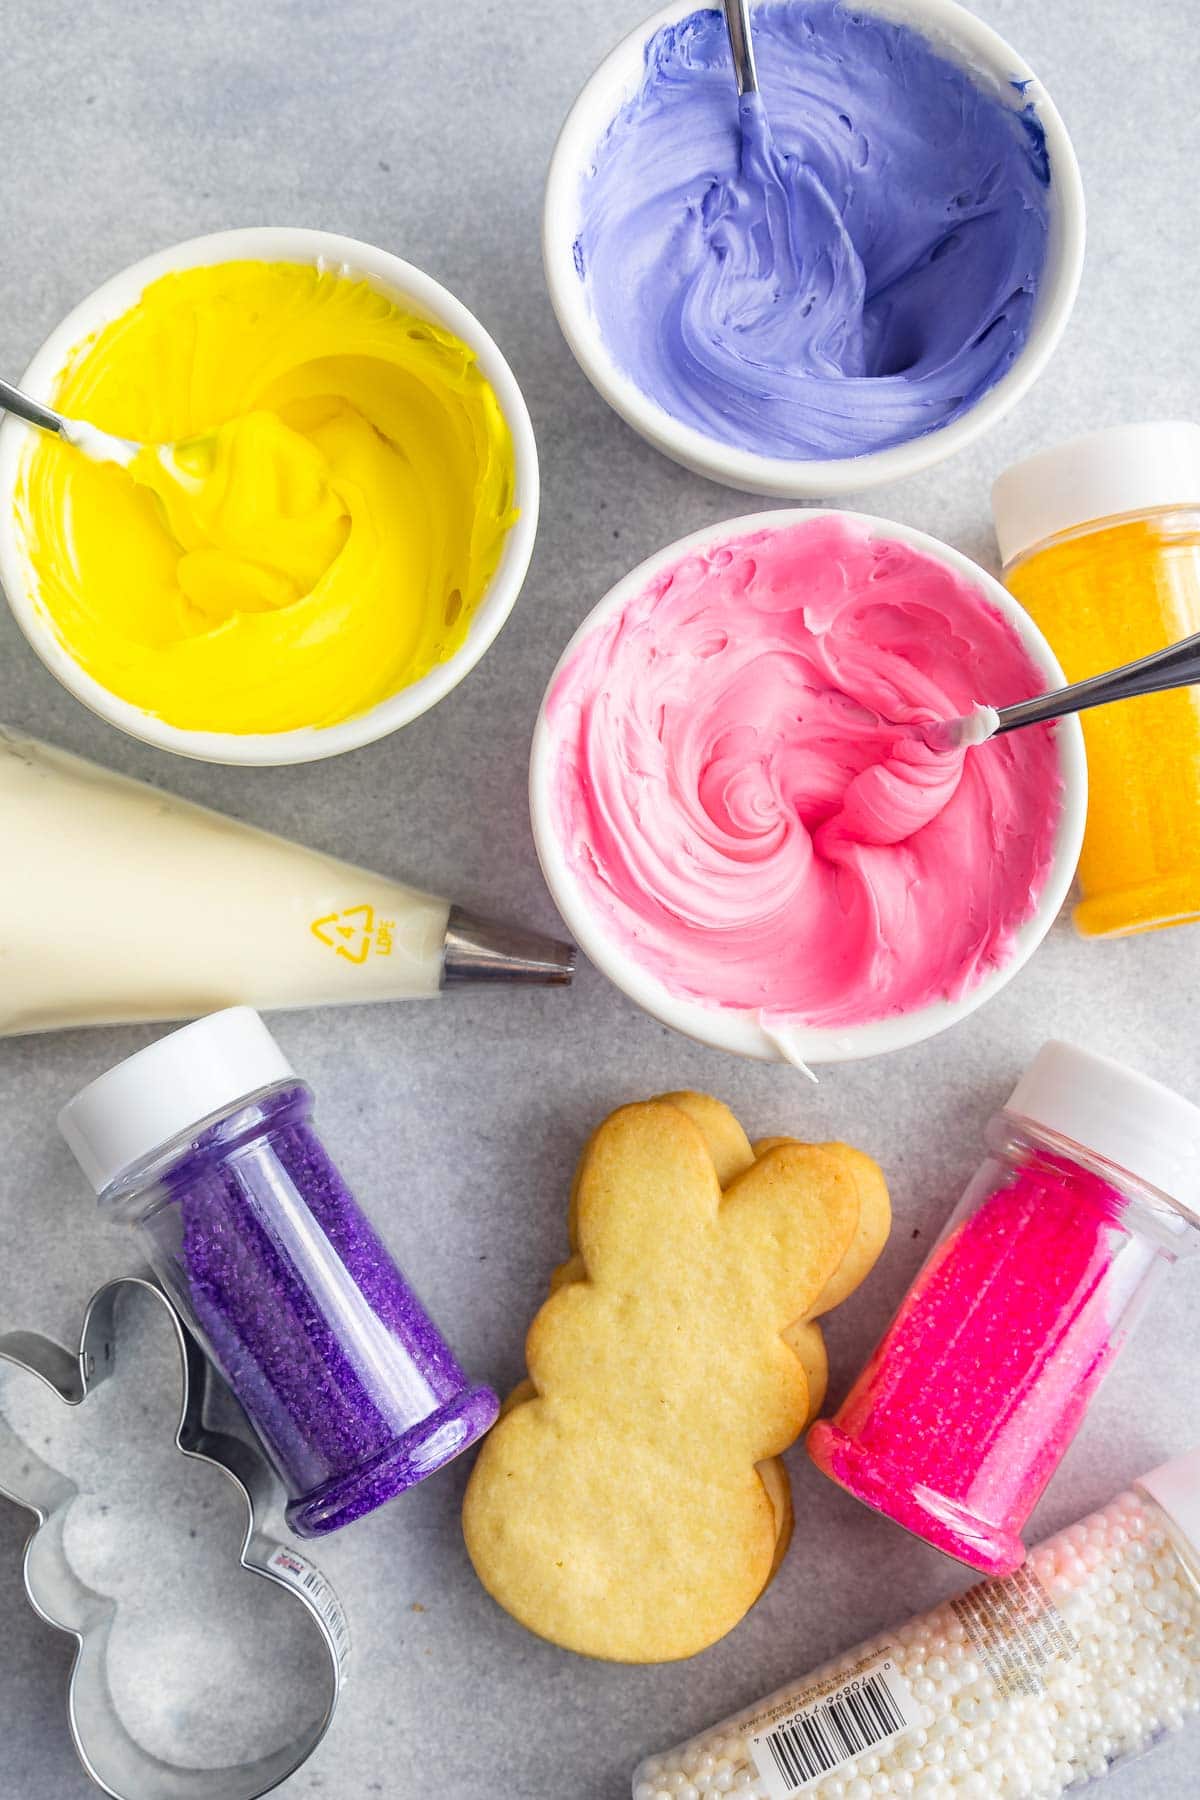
(963, 1413)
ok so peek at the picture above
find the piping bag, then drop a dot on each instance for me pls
(121, 903)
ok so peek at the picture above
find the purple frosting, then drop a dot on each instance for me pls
(848, 265)
(344, 1376)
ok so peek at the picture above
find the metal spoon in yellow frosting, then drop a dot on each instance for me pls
(101, 446)
(249, 503)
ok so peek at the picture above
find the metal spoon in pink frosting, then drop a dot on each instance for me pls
(1175, 667)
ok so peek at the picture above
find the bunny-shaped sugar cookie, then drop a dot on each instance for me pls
(628, 1504)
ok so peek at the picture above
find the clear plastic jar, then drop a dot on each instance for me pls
(982, 1379)
(1019, 1689)
(1100, 539)
(205, 1142)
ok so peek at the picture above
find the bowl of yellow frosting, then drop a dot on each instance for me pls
(331, 523)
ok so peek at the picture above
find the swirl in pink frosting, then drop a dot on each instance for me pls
(736, 800)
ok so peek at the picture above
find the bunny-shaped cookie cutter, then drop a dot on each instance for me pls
(113, 1759)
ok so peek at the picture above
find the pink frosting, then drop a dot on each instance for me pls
(744, 818)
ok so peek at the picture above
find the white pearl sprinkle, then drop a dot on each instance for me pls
(1128, 1602)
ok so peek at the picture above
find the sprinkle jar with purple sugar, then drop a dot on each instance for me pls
(205, 1141)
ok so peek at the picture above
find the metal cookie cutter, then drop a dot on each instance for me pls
(114, 1759)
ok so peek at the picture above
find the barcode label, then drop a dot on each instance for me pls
(872, 1706)
(301, 1574)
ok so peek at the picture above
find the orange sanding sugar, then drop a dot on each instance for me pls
(1104, 596)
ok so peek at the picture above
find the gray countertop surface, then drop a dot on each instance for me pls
(128, 125)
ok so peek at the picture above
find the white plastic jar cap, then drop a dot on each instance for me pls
(1176, 1487)
(167, 1088)
(1138, 1124)
(1105, 475)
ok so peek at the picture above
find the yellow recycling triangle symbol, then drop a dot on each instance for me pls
(349, 933)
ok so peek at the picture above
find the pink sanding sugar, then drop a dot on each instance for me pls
(965, 1409)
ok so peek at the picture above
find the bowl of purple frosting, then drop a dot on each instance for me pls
(835, 282)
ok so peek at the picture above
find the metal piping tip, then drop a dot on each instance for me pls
(481, 950)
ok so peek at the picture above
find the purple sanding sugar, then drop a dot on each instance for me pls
(348, 1382)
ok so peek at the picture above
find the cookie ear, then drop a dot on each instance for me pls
(727, 1143)
(647, 1188)
(789, 1221)
(874, 1222)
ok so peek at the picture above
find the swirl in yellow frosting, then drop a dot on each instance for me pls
(328, 507)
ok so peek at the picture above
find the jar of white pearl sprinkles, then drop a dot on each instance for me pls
(1022, 1688)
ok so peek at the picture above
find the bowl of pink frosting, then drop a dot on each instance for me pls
(737, 820)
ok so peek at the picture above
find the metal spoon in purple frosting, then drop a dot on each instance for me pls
(737, 19)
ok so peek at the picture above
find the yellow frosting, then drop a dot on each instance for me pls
(330, 506)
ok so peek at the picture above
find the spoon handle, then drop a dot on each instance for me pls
(1176, 666)
(32, 411)
(737, 18)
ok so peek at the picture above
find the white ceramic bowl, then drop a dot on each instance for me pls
(958, 35)
(728, 1028)
(402, 282)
